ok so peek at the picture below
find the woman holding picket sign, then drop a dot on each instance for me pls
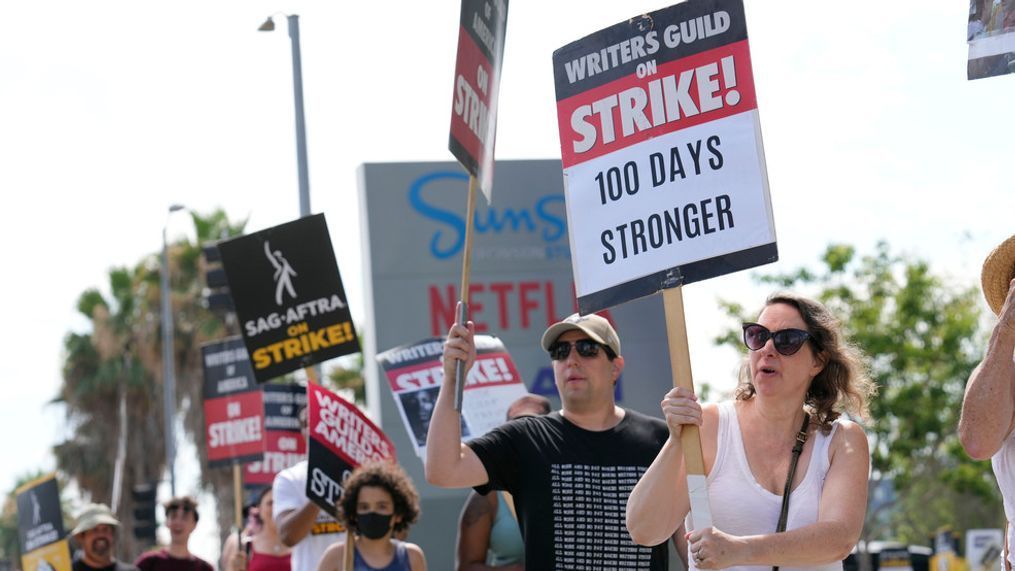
(378, 504)
(782, 431)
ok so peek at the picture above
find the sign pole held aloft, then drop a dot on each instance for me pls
(350, 550)
(463, 305)
(690, 438)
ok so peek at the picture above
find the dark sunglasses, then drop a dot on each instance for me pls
(786, 341)
(181, 507)
(585, 347)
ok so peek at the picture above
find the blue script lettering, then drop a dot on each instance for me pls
(545, 216)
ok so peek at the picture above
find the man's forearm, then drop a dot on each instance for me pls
(294, 525)
(444, 438)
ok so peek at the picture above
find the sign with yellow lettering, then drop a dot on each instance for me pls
(289, 297)
(40, 527)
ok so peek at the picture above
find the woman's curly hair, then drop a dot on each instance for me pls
(843, 384)
(389, 476)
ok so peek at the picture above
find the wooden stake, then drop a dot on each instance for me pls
(463, 314)
(690, 438)
(350, 551)
(238, 496)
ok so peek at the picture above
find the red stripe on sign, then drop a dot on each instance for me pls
(683, 93)
(234, 425)
(285, 448)
(420, 376)
(470, 109)
(492, 369)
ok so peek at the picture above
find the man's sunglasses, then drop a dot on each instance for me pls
(786, 341)
(181, 507)
(585, 347)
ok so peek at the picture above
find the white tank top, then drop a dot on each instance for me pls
(1003, 462)
(741, 506)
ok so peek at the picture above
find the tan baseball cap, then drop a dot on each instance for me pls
(596, 327)
(94, 515)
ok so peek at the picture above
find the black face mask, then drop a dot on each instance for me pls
(373, 525)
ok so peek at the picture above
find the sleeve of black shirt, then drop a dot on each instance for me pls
(499, 452)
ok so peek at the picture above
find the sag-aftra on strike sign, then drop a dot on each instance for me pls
(664, 170)
(289, 297)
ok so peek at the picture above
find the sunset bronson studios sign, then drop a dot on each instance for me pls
(289, 297)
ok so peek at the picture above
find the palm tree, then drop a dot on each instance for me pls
(120, 358)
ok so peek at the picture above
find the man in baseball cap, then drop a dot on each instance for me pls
(588, 451)
(95, 534)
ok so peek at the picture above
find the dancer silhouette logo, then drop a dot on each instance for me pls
(284, 273)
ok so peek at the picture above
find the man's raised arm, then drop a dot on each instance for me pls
(449, 462)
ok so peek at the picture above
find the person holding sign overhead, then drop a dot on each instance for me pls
(570, 471)
(777, 457)
(988, 407)
(379, 503)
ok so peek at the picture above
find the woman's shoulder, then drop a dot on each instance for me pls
(417, 560)
(847, 436)
(332, 557)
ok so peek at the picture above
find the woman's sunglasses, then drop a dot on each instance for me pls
(585, 347)
(786, 341)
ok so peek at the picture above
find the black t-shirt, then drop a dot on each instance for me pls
(570, 488)
(80, 565)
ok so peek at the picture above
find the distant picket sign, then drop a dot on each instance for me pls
(289, 297)
(233, 404)
(284, 442)
(41, 535)
(415, 375)
(341, 438)
(483, 24)
(664, 170)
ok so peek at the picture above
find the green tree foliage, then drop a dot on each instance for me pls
(923, 337)
(120, 354)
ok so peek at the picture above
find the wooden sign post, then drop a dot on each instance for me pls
(690, 439)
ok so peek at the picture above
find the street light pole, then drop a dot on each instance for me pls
(301, 130)
(168, 366)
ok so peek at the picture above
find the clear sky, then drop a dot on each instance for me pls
(110, 111)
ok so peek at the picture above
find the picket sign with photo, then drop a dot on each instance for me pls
(664, 171)
(415, 375)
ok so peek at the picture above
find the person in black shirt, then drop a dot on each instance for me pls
(95, 534)
(570, 472)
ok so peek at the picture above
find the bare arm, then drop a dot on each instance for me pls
(988, 409)
(294, 525)
(417, 561)
(474, 527)
(659, 501)
(840, 518)
(333, 558)
(449, 462)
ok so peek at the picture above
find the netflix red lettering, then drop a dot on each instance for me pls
(528, 304)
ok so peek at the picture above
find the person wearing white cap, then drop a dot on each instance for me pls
(95, 534)
(570, 472)
(988, 408)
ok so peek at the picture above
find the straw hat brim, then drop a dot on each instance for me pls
(998, 271)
